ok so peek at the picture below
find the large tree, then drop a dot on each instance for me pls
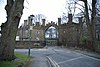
(90, 22)
(14, 10)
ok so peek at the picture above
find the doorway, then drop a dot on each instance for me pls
(51, 36)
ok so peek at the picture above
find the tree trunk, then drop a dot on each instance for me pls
(14, 11)
(90, 24)
(93, 21)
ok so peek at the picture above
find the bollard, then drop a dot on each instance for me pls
(29, 51)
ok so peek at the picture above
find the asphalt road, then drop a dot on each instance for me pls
(64, 57)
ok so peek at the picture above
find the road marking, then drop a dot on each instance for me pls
(70, 60)
(62, 51)
(92, 58)
(88, 56)
(53, 62)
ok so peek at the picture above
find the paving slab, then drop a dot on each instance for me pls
(39, 62)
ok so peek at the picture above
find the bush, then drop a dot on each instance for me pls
(83, 42)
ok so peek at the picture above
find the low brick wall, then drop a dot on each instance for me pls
(97, 46)
(31, 44)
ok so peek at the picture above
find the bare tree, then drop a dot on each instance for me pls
(90, 22)
(14, 10)
(39, 17)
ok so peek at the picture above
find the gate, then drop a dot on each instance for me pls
(51, 42)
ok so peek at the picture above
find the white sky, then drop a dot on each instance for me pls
(2, 11)
(52, 9)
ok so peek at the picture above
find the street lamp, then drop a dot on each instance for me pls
(30, 29)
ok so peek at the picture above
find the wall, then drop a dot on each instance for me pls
(27, 44)
(37, 32)
(97, 46)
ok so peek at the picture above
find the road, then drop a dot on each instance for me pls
(64, 57)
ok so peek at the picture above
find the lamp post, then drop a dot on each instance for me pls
(30, 29)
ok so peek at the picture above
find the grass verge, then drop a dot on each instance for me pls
(21, 58)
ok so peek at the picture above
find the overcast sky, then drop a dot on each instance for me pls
(52, 9)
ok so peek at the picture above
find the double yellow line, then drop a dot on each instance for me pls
(52, 62)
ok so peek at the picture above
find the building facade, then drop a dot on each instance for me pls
(68, 33)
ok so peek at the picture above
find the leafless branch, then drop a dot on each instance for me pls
(74, 8)
(27, 2)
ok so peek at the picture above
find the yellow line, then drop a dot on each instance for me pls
(53, 62)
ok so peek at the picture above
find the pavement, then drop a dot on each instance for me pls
(38, 62)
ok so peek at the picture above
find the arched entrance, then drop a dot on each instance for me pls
(51, 35)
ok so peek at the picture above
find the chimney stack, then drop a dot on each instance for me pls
(70, 18)
(80, 19)
(25, 22)
(43, 22)
(37, 23)
(59, 21)
(30, 20)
